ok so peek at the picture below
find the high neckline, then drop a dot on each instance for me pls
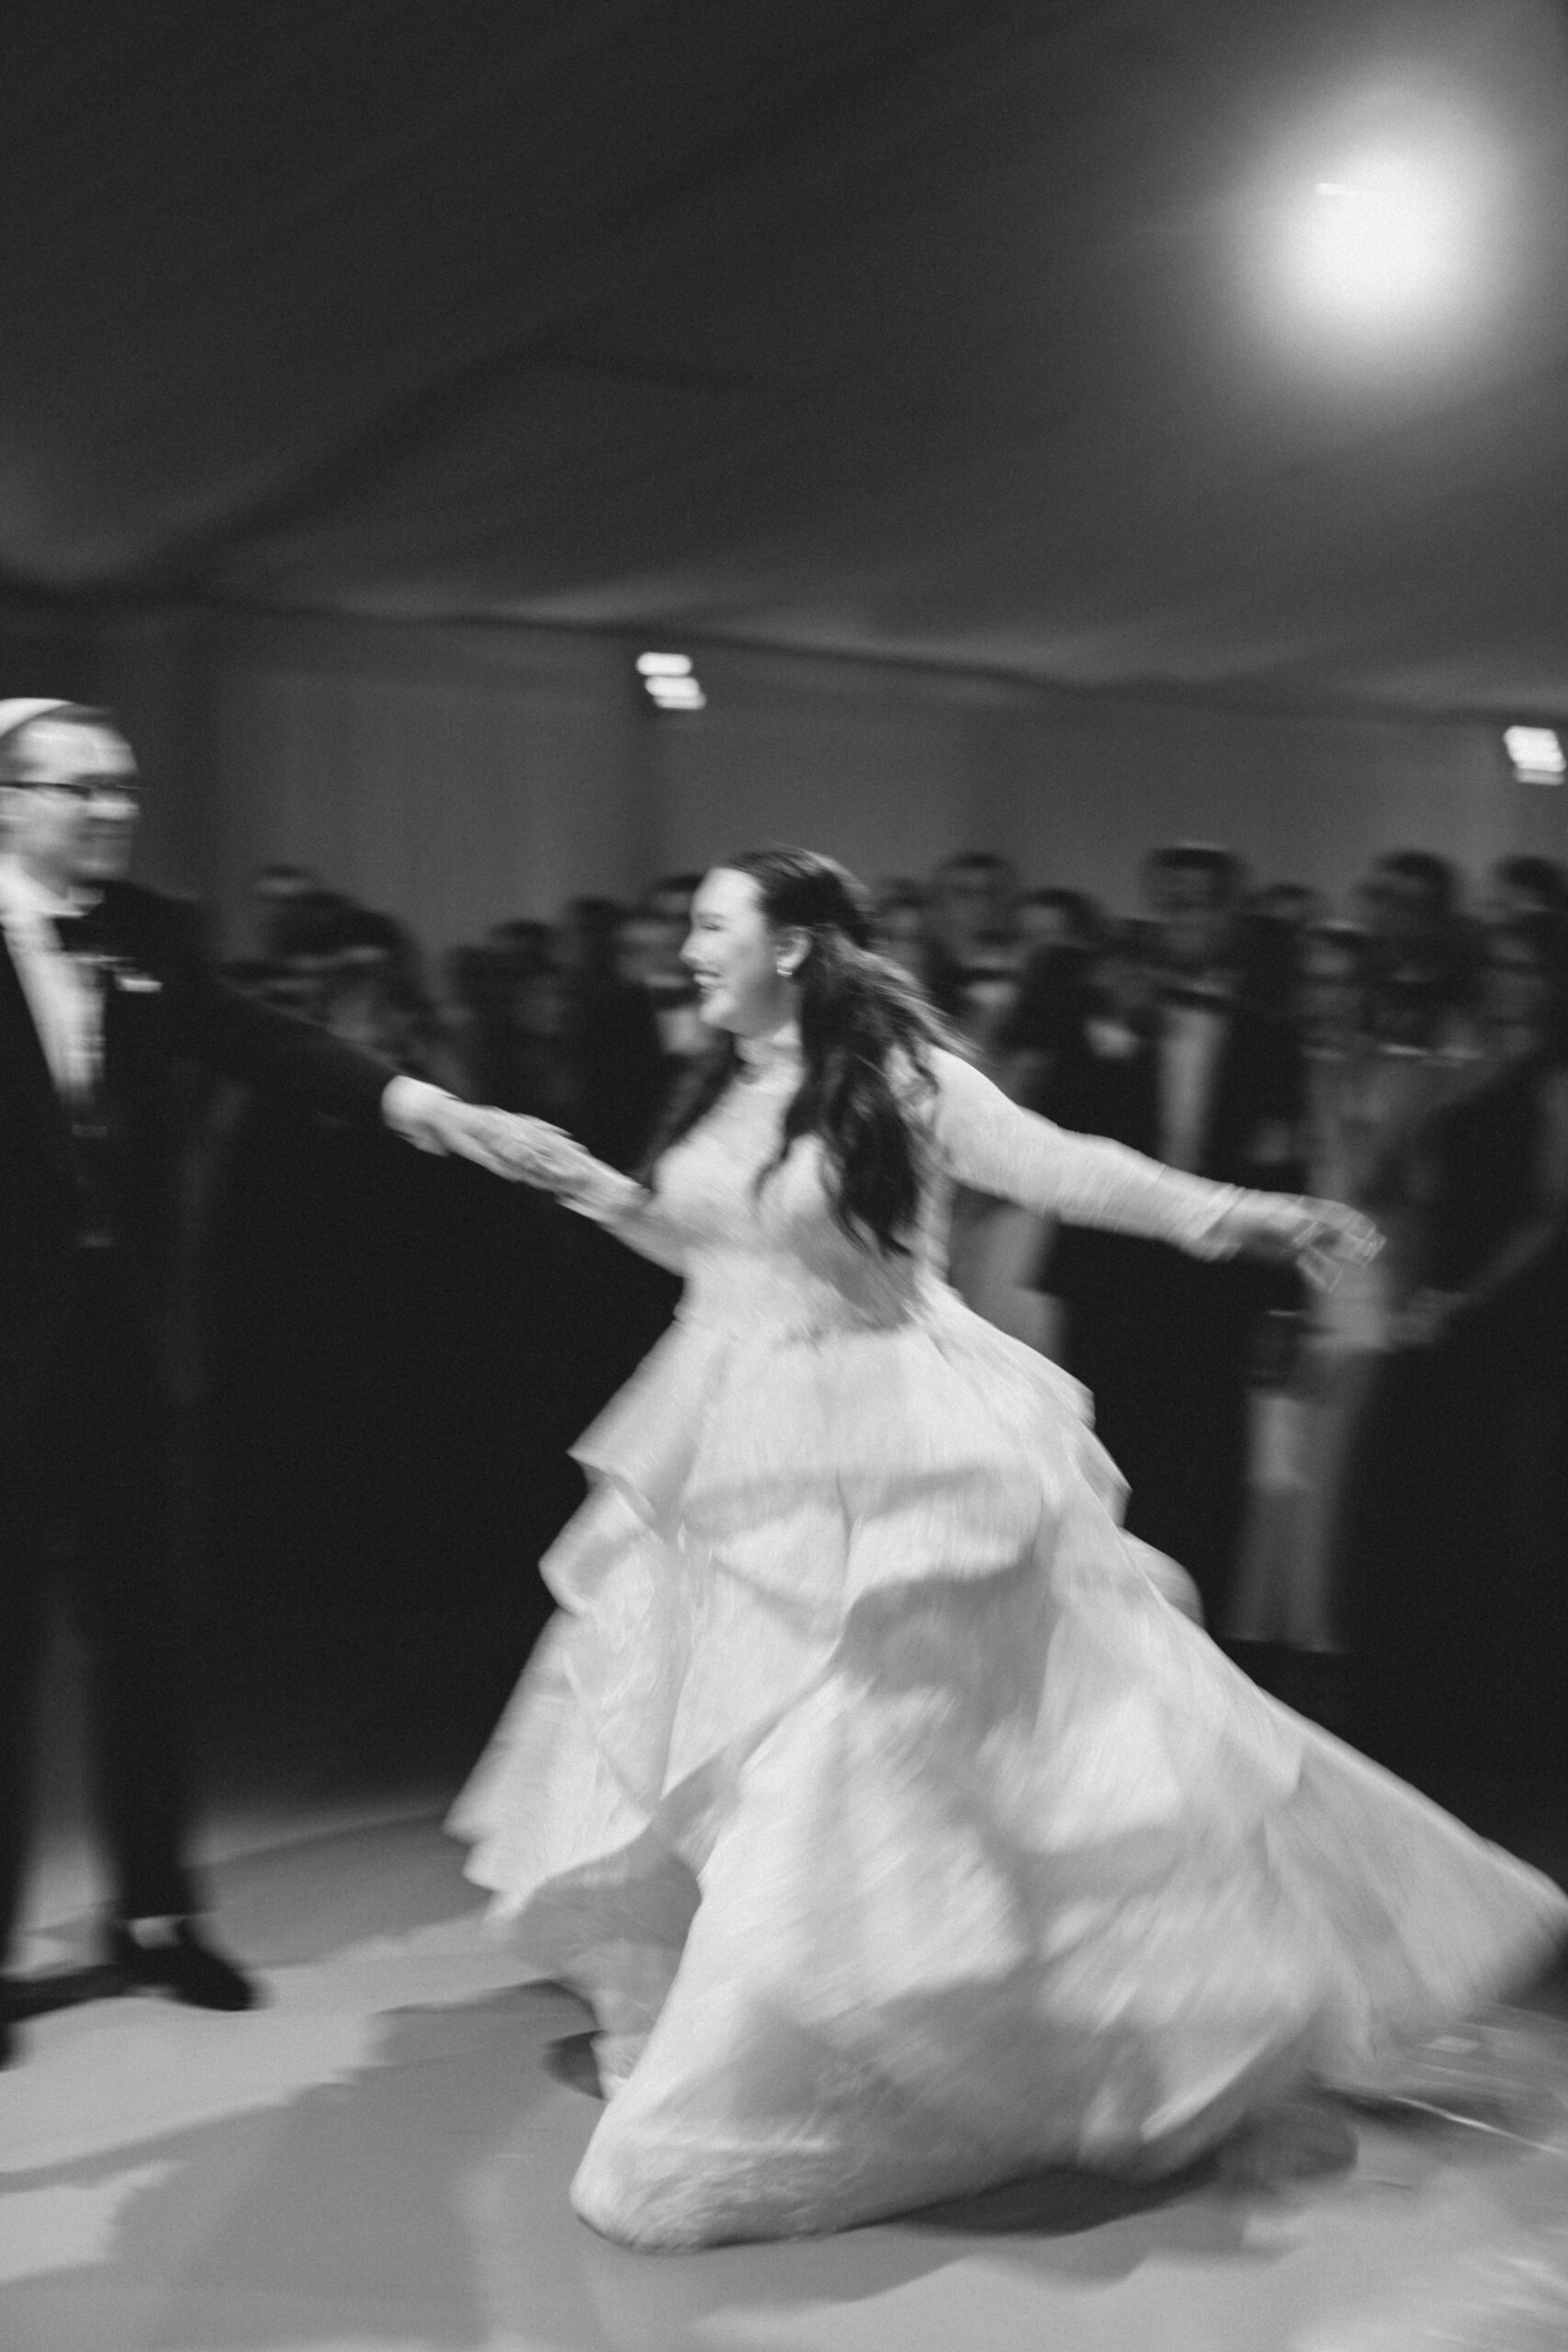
(767, 1056)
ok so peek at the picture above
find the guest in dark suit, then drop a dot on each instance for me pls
(104, 991)
(1454, 1527)
(1188, 1072)
(971, 967)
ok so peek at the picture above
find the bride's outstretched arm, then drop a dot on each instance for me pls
(986, 1141)
(543, 1156)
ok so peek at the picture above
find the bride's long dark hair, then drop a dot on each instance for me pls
(865, 1038)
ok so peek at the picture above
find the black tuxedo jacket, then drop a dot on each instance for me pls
(164, 1006)
(1251, 1134)
(1252, 1119)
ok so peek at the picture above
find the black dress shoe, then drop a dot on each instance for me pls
(179, 1963)
(7, 2039)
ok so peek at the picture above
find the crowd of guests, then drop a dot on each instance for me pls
(1374, 1473)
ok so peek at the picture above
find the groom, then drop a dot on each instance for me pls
(103, 988)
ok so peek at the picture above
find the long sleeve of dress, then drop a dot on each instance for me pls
(983, 1140)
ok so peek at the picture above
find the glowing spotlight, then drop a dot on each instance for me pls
(1381, 234)
(1387, 239)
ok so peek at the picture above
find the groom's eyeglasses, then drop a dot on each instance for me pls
(109, 790)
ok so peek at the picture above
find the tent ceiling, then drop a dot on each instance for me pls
(938, 329)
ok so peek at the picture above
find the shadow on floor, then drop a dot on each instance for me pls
(422, 2200)
(368, 2208)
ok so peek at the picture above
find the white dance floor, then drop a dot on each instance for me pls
(378, 2162)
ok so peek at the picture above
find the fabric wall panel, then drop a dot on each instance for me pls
(456, 794)
(461, 775)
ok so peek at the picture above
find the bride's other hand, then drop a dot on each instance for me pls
(1322, 1238)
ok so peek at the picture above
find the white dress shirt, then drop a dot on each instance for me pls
(1190, 1040)
(64, 992)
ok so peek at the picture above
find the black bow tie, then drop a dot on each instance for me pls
(80, 934)
(1198, 999)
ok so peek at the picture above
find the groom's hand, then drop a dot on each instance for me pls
(433, 1120)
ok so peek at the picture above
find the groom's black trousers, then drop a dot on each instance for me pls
(87, 1507)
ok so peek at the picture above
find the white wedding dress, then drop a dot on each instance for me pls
(900, 1832)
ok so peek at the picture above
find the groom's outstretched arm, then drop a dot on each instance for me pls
(279, 1054)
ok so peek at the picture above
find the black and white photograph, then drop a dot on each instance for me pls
(784, 1176)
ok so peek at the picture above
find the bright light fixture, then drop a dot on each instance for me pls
(1536, 754)
(1386, 238)
(1381, 234)
(670, 682)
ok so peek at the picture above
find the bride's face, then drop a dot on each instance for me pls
(733, 954)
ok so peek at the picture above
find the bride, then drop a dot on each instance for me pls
(900, 1832)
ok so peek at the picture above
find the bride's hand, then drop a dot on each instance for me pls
(1322, 1238)
(538, 1153)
